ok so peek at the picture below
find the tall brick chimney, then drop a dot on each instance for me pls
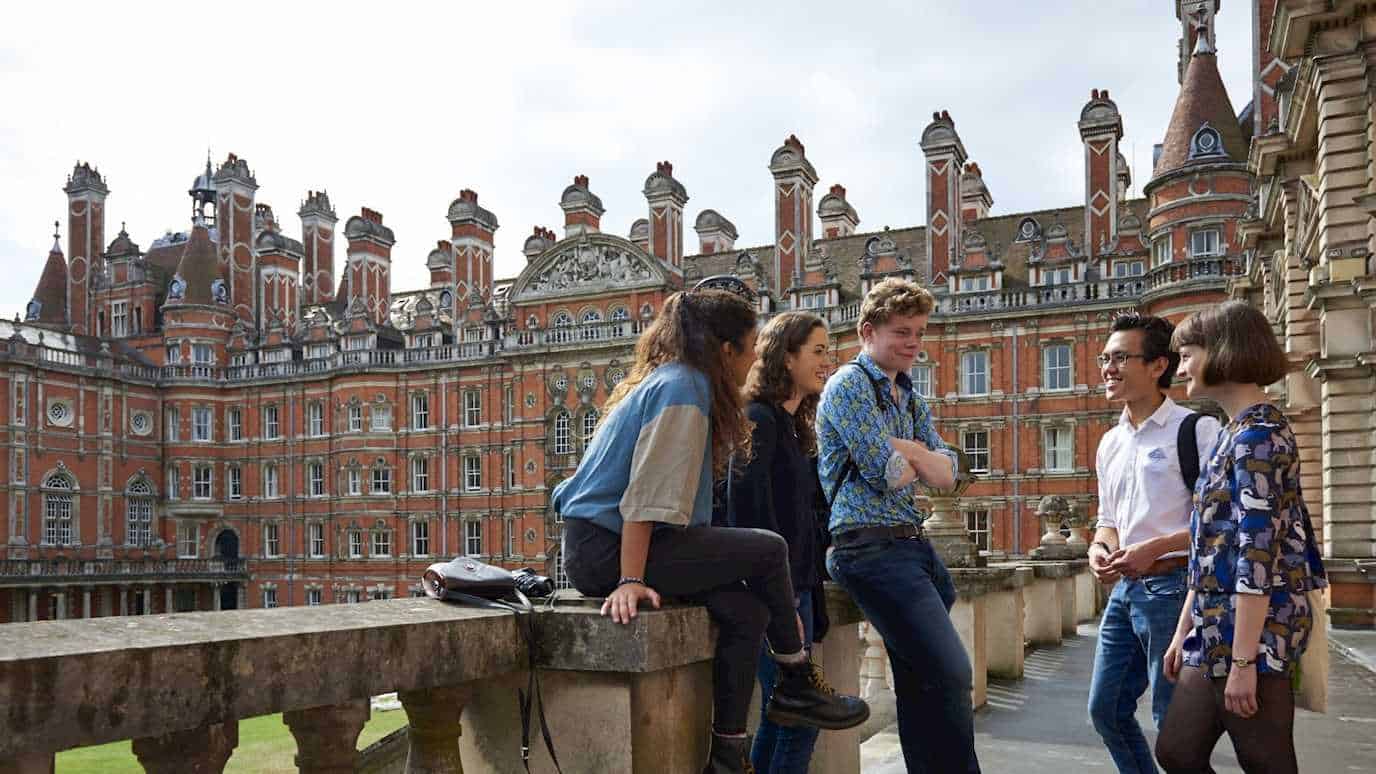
(86, 192)
(945, 155)
(368, 275)
(666, 197)
(473, 230)
(794, 179)
(235, 187)
(317, 239)
(540, 240)
(1101, 127)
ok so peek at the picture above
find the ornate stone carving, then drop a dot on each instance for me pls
(589, 266)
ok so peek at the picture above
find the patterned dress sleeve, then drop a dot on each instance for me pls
(1258, 480)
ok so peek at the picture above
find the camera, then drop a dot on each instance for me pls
(531, 584)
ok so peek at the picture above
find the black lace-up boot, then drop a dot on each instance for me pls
(803, 698)
(730, 755)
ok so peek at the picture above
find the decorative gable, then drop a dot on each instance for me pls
(589, 263)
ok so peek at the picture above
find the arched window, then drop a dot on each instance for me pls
(589, 426)
(139, 512)
(57, 510)
(589, 320)
(560, 322)
(563, 440)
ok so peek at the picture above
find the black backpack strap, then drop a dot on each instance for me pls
(850, 468)
(1187, 449)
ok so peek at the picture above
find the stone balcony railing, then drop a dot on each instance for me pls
(631, 698)
(50, 572)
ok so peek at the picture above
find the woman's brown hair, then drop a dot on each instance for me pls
(770, 381)
(1239, 344)
(690, 329)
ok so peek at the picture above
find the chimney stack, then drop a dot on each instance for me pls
(837, 215)
(945, 155)
(666, 197)
(235, 187)
(582, 209)
(86, 192)
(368, 271)
(474, 229)
(794, 179)
(975, 199)
(317, 239)
(540, 240)
(716, 234)
(1101, 126)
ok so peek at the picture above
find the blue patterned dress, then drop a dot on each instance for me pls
(1250, 534)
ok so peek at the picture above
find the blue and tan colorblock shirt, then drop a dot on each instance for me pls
(1250, 534)
(851, 426)
(651, 459)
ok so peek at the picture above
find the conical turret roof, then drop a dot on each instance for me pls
(49, 304)
(198, 271)
(1203, 104)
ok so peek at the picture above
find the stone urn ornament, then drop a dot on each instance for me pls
(945, 526)
(1055, 510)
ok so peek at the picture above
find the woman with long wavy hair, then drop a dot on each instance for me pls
(778, 491)
(637, 516)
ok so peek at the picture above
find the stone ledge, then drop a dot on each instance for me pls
(974, 582)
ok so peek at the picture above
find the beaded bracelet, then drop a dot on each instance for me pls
(628, 580)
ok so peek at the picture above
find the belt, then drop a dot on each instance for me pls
(1165, 566)
(853, 537)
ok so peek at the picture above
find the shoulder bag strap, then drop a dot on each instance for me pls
(1187, 449)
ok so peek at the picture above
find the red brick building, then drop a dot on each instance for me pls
(230, 418)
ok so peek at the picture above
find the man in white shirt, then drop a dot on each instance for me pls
(1141, 540)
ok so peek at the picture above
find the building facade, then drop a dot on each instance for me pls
(223, 420)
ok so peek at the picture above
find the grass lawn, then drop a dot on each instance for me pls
(265, 746)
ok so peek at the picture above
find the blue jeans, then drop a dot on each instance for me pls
(782, 749)
(1138, 624)
(906, 594)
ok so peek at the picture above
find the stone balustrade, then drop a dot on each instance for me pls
(632, 699)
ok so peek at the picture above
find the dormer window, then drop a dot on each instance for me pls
(425, 341)
(1058, 277)
(974, 284)
(1206, 143)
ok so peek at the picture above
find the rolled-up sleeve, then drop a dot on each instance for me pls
(1106, 517)
(666, 466)
(1257, 482)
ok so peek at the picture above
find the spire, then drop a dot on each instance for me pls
(1203, 127)
(49, 303)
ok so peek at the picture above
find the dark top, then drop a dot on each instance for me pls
(778, 489)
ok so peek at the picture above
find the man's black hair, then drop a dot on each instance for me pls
(1156, 341)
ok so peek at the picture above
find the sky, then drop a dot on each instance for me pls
(399, 106)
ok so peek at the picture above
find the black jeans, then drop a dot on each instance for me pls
(740, 575)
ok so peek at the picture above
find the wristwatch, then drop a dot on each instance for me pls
(1243, 662)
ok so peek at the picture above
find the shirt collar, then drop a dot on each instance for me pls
(872, 368)
(1162, 415)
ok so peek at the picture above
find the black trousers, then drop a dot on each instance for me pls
(740, 575)
(1197, 717)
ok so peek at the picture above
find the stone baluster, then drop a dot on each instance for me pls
(434, 734)
(327, 737)
(874, 664)
(203, 750)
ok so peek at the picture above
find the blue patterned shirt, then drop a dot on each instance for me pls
(1250, 534)
(851, 426)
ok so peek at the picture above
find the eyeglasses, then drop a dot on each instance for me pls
(729, 283)
(1117, 358)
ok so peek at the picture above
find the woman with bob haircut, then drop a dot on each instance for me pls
(1253, 558)
(778, 491)
(637, 515)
